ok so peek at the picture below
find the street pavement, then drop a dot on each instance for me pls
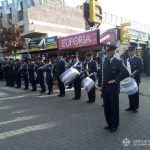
(33, 121)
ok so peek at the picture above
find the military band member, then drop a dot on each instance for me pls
(6, 72)
(77, 82)
(41, 75)
(48, 68)
(25, 74)
(11, 73)
(112, 73)
(17, 73)
(32, 74)
(91, 68)
(136, 69)
(59, 68)
(70, 63)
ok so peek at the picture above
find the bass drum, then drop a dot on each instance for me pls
(69, 75)
(87, 83)
(129, 85)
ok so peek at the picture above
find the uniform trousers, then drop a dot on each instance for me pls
(111, 109)
(61, 87)
(77, 87)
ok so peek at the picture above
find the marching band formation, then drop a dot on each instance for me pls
(106, 75)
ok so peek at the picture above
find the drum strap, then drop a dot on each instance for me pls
(128, 66)
(76, 64)
(102, 71)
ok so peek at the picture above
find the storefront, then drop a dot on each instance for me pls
(87, 42)
(79, 43)
(50, 47)
(40, 48)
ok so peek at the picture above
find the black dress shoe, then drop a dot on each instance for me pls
(17, 87)
(128, 109)
(135, 110)
(112, 130)
(89, 102)
(62, 95)
(33, 90)
(49, 93)
(107, 128)
(26, 88)
(42, 91)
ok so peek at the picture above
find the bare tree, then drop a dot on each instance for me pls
(11, 37)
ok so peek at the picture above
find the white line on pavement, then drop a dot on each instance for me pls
(8, 134)
(15, 97)
(42, 96)
(18, 119)
(12, 89)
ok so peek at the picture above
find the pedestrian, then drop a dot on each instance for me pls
(136, 69)
(113, 71)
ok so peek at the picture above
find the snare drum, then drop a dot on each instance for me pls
(87, 84)
(129, 85)
(69, 75)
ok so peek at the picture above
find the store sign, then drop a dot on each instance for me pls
(22, 51)
(85, 39)
(34, 45)
(51, 43)
(108, 37)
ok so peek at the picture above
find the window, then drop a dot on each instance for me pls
(20, 12)
(9, 16)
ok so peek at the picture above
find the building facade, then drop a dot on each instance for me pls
(52, 18)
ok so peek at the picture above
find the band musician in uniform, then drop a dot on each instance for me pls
(77, 81)
(59, 68)
(113, 71)
(91, 68)
(136, 69)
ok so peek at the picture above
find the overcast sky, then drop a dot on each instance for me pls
(135, 10)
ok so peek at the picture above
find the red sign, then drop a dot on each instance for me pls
(85, 39)
(108, 37)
